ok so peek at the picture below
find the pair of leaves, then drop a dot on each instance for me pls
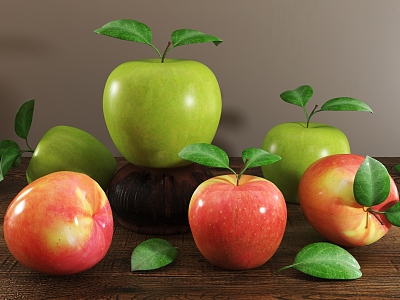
(152, 254)
(213, 156)
(327, 261)
(135, 31)
(323, 260)
(372, 187)
(10, 151)
(301, 95)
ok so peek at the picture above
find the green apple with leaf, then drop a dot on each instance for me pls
(61, 148)
(155, 107)
(302, 143)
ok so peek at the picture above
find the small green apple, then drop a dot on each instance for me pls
(155, 107)
(299, 144)
(152, 110)
(62, 148)
(65, 148)
(299, 147)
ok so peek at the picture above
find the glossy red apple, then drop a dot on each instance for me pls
(237, 226)
(327, 200)
(59, 224)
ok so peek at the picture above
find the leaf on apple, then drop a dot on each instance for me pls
(299, 96)
(152, 254)
(345, 104)
(7, 160)
(393, 214)
(23, 119)
(326, 261)
(182, 37)
(128, 30)
(5, 144)
(372, 183)
(256, 157)
(206, 155)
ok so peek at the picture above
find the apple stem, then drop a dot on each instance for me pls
(239, 175)
(312, 112)
(375, 214)
(165, 52)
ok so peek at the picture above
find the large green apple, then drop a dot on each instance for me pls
(299, 147)
(154, 109)
(65, 148)
(299, 144)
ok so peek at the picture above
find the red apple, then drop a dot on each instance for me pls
(59, 224)
(327, 201)
(237, 226)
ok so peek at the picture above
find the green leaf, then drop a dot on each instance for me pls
(327, 261)
(5, 144)
(372, 183)
(256, 157)
(182, 37)
(206, 155)
(23, 119)
(300, 96)
(128, 30)
(152, 254)
(345, 104)
(393, 214)
(397, 167)
(6, 161)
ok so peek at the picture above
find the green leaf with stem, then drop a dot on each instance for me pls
(345, 104)
(326, 261)
(5, 144)
(301, 96)
(10, 152)
(152, 254)
(371, 183)
(23, 119)
(206, 155)
(135, 31)
(255, 157)
(393, 214)
(213, 156)
(182, 37)
(128, 30)
(6, 161)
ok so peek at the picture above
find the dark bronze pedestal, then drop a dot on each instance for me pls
(155, 201)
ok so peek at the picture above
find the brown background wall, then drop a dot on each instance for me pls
(48, 51)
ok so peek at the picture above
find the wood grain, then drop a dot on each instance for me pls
(190, 276)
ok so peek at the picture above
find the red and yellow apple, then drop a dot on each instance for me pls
(327, 200)
(59, 224)
(237, 226)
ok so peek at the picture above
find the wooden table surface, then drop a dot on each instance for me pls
(190, 276)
